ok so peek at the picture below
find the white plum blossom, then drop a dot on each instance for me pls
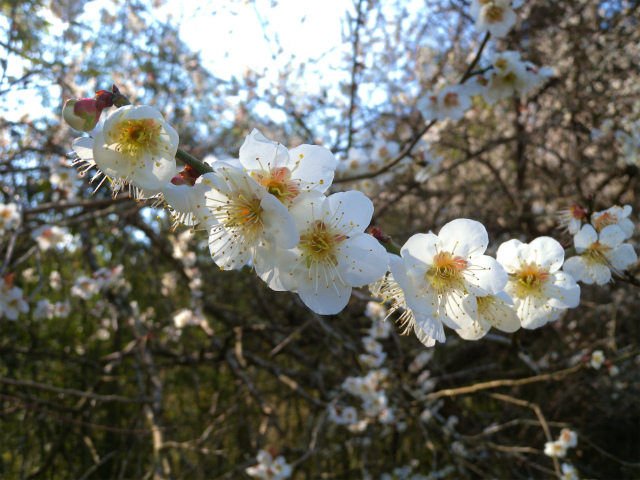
(494, 16)
(12, 302)
(555, 449)
(85, 287)
(571, 219)
(511, 75)
(599, 255)
(443, 274)
(569, 472)
(242, 216)
(597, 359)
(452, 102)
(62, 177)
(44, 309)
(333, 254)
(493, 311)
(137, 146)
(614, 216)
(49, 236)
(347, 415)
(537, 286)
(9, 216)
(420, 361)
(568, 437)
(269, 468)
(286, 174)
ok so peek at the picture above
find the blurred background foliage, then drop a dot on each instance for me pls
(198, 401)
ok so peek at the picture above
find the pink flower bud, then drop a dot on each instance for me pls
(81, 113)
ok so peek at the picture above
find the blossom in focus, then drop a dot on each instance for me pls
(136, 145)
(12, 302)
(599, 255)
(269, 468)
(537, 286)
(597, 359)
(242, 215)
(451, 103)
(9, 216)
(441, 276)
(614, 216)
(333, 254)
(49, 236)
(493, 311)
(286, 174)
(572, 218)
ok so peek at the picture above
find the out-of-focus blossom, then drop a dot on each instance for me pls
(494, 16)
(269, 468)
(9, 216)
(597, 359)
(452, 102)
(49, 236)
(600, 255)
(614, 216)
(572, 218)
(12, 302)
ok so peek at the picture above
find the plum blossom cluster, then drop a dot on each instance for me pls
(507, 76)
(368, 388)
(47, 310)
(86, 287)
(361, 164)
(446, 280)
(266, 209)
(269, 210)
(599, 244)
(558, 448)
(270, 467)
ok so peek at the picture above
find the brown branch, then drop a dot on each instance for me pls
(75, 393)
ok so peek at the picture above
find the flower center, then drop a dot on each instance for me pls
(531, 278)
(138, 137)
(244, 214)
(451, 100)
(605, 220)
(319, 244)
(495, 14)
(446, 272)
(596, 253)
(278, 183)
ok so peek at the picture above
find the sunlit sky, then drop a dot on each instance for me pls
(232, 37)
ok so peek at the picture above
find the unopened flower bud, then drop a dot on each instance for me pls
(82, 114)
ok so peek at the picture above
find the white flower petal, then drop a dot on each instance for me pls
(463, 237)
(366, 260)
